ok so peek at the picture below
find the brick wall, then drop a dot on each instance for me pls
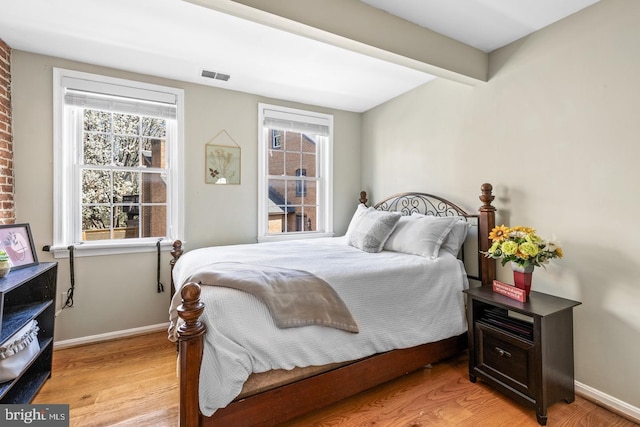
(7, 208)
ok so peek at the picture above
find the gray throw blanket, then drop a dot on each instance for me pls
(294, 297)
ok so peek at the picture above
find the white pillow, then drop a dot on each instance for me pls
(454, 241)
(420, 235)
(369, 228)
(354, 219)
(458, 234)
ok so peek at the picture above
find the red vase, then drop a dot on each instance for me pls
(523, 281)
(522, 277)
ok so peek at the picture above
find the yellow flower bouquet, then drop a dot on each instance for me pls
(522, 246)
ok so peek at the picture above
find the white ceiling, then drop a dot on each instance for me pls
(483, 24)
(175, 39)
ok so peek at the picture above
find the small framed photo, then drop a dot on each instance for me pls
(17, 242)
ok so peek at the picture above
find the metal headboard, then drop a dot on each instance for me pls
(429, 204)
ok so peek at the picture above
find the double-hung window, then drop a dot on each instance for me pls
(117, 161)
(295, 173)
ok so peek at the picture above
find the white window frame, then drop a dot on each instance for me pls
(324, 171)
(67, 215)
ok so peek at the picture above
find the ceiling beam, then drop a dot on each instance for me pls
(359, 27)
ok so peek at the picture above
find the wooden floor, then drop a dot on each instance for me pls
(132, 382)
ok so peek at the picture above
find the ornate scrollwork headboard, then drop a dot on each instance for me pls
(478, 267)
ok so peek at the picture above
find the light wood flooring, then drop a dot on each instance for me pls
(132, 382)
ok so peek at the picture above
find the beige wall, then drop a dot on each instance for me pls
(115, 293)
(556, 131)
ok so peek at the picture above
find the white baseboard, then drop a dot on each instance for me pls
(611, 403)
(110, 336)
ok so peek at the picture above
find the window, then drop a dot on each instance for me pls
(295, 173)
(301, 185)
(118, 167)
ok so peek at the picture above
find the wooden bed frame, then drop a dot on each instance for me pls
(286, 402)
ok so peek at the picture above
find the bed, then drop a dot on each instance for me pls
(229, 378)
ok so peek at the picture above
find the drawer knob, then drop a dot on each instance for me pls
(502, 352)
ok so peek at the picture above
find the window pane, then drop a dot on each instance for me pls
(292, 193)
(154, 127)
(125, 226)
(309, 164)
(127, 150)
(126, 124)
(125, 184)
(276, 162)
(154, 188)
(277, 206)
(96, 223)
(277, 191)
(97, 121)
(277, 139)
(96, 149)
(293, 163)
(120, 224)
(311, 215)
(310, 144)
(131, 207)
(153, 221)
(96, 186)
(292, 141)
(310, 197)
(153, 153)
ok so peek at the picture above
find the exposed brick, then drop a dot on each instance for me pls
(7, 205)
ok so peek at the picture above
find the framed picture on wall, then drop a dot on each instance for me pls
(222, 160)
(17, 242)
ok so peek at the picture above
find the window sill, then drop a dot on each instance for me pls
(99, 249)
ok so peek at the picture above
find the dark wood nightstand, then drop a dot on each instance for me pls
(524, 349)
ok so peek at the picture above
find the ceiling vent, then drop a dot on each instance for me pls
(214, 75)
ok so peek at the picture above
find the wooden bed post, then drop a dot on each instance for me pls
(175, 253)
(486, 224)
(363, 198)
(190, 345)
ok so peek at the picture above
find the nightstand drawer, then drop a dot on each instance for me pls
(506, 358)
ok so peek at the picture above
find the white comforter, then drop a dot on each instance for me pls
(398, 301)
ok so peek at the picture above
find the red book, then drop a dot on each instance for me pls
(509, 291)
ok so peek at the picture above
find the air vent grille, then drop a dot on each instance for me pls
(215, 75)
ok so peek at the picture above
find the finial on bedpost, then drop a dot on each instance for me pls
(190, 310)
(487, 222)
(176, 253)
(486, 197)
(363, 197)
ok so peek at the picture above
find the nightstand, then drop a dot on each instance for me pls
(524, 349)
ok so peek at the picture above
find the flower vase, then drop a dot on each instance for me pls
(522, 277)
(5, 268)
